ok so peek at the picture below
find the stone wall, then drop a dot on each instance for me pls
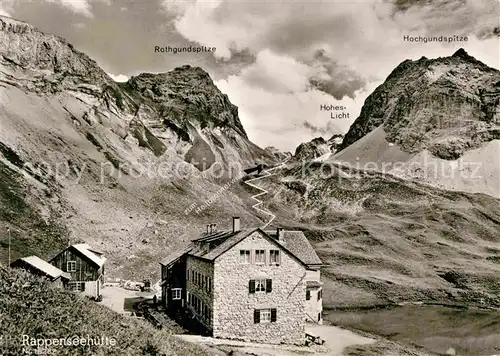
(207, 269)
(234, 305)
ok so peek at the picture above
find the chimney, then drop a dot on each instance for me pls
(213, 228)
(208, 229)
(279, 235)
(236, 224)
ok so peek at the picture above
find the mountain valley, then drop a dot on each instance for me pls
(129, 168)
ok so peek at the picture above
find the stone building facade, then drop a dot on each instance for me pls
(248, 285)
(235, 305)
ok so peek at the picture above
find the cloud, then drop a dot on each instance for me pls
(276, 74)
(277, 118)
(335, 79)
(79, 25)
(6, 7)
(331, 53)
(315, 129)
(120, 78)
(449, 17)
(325, 131)
(82, 7)
(358, 34)
(78, 6)
(177, 7)
(282, 73)
(275, 98)
(206, 22)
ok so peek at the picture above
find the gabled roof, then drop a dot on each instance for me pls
(43, 266)
(231, 239)
(297, 243)
(86, 250)
(194, 247)
(294, 243)
(235, 238)
(175, 255)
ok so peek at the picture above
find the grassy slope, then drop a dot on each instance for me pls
(30, 232)
(30, 307)
(387, 240)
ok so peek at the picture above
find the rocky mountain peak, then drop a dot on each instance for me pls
(318, 147)
(16, 26)
(335, 141)
(315, 148)
(461, 53)
(187, 95)
(183, 75)
(425, 102)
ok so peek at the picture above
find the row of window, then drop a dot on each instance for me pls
(308, 294)
(200, 280)
(260, 286)
(265, 316)
(202, 309)
(261, 257)
(266, 285)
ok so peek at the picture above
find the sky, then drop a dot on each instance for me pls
(278, 60)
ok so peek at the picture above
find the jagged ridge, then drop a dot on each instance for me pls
(99, 161)
(182, 109)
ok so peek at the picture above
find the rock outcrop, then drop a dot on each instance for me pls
(317, 147)
(335, 141)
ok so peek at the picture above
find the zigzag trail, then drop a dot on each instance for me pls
(259, 202)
